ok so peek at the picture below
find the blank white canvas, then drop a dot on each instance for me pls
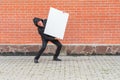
(56, 23)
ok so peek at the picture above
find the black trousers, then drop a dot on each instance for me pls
(44, 44)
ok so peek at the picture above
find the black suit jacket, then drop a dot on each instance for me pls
(41, 29)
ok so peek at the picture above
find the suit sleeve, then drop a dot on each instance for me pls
(48, 37)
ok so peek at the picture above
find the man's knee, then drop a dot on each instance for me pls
(60, 45)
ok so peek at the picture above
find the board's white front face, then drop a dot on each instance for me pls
(56, 23)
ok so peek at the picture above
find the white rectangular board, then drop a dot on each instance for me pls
(56, 23)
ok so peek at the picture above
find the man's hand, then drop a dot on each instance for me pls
(56, 38)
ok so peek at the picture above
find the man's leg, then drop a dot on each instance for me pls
(59, 46)
(44, 44)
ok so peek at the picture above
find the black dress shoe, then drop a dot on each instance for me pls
(57, 59)
(35, 61)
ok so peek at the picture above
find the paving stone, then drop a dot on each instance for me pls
(70, 68)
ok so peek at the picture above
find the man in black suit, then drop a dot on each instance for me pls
(40, 24)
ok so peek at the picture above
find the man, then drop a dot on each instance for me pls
(40, 24)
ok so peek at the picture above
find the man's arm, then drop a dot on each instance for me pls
(48, 37)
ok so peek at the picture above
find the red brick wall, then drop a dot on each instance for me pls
(90, 21)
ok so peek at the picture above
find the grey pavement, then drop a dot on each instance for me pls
(70, 68)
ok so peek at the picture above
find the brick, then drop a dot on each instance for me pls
(95, 21)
